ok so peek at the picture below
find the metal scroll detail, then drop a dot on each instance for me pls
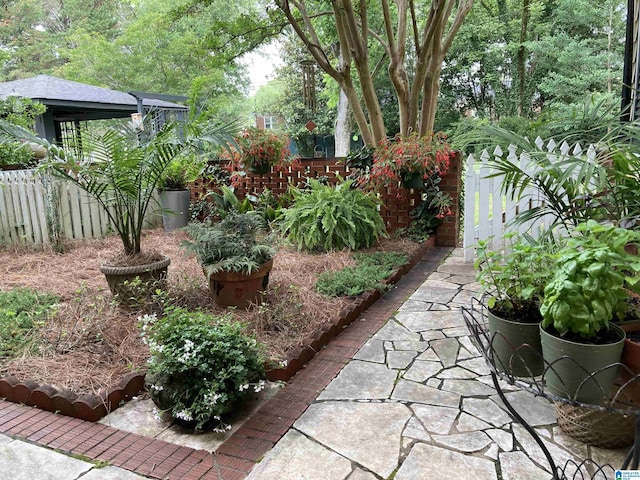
(475, 317)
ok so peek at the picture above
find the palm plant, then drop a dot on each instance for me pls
(601, 185)
(119, 167)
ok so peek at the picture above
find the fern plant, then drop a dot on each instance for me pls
(235, 244)
(325, 217)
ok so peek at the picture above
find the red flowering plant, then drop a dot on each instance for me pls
(400, 158)
(257, 150)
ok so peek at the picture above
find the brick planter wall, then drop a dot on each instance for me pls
(397, 203)
(448, 232)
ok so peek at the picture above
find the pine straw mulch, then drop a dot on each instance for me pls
(91, 343)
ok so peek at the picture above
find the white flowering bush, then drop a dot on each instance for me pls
(200, 366)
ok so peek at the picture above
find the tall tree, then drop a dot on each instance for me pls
(520, 57)
(413, 49)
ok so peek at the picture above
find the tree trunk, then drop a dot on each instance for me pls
(522, 53)
(343, 126)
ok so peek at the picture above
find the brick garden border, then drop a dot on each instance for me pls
(94, 407)
(235, 458)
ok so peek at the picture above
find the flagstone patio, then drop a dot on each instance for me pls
(417, 402)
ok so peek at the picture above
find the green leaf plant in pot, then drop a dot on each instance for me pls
(514, 281)
(174, 189)
(236, 257)
(588, 291)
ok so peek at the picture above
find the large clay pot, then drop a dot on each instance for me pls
(631, 358)
(571, 363)
(152, 276)
(516, 346)
(175, 209)
(231, 289)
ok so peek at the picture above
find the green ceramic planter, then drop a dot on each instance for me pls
(516, 346)
(564, 376)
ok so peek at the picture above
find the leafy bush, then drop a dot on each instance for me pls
(19, 111)
(325, 218)
(233, 244)
(515, 279)
(370, 270)
(429, 214)
(200, 366)
(21, 311)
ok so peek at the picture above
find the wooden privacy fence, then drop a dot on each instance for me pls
(37, 209)
(487, 213)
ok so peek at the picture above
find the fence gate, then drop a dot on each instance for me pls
(488, 214)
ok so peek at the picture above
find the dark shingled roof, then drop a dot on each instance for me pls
(56, 91)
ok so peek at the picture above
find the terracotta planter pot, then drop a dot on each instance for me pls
(152, 276)
(631, 358)
(231, 289)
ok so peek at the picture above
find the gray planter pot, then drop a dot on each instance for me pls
(516, 346)
(571, 364)
(175, 209)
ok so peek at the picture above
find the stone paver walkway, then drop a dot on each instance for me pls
(416, 402)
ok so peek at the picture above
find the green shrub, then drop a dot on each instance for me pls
(21, 311)
(368, 273)
(326, 218)
(200, 366)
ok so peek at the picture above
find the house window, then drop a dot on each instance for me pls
(269, 122)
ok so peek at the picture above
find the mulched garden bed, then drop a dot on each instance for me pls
(89, 357)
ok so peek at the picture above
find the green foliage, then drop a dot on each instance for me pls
(588, 285)
(361, 159)
(515, 279)
(200, 366)
(235, 244)
(152, 49)
(16, 154)
(326, 217)
(368, 274)
(181, 171)
(21, 312)
(429, 214)
(567, 55)
(22, 112)
(602, 187)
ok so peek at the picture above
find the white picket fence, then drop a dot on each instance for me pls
(487, 213)
(31, 205)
